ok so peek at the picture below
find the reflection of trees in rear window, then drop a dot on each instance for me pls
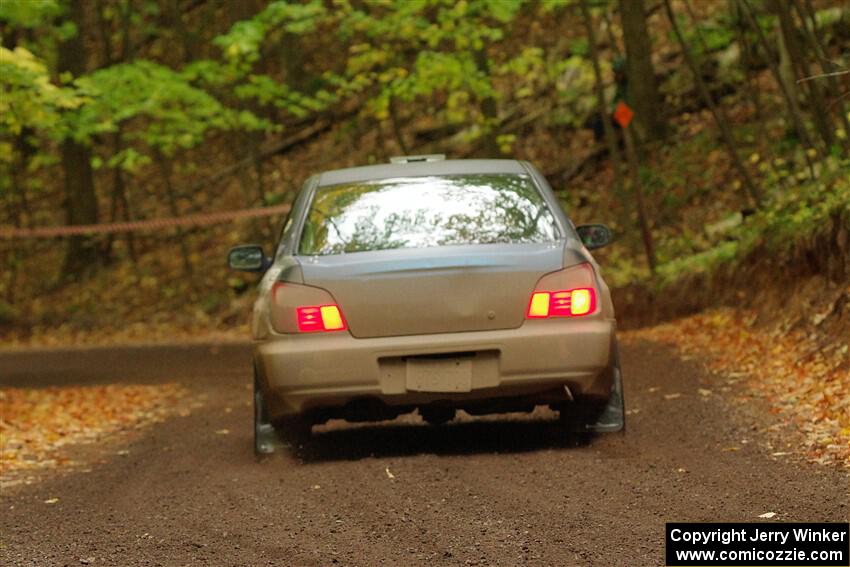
(421, 212)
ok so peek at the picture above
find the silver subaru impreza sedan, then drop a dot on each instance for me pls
(432, 285)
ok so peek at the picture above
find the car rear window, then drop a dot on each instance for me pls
(422, 212)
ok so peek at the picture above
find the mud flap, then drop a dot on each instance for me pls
(613, 416)
(266, 438)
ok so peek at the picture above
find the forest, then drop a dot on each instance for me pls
(196, 121)
(141, 139)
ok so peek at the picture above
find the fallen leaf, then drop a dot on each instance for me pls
(51, 501)
(389, 474)
(767, 515)
(801, 375)
(672, 396)
(38, 423)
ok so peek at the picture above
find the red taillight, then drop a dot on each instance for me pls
(566, 303)
(320, 318)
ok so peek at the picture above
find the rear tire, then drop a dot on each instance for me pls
(437, 415)
(573, 418)
(580, 418)
(295, 431)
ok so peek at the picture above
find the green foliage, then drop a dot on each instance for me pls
(421, 51)
(29, 99)
(8, 313)
(28, 13)
(242, 45)
(469, 67)
(267, 91)
(788, 217)
(573, 80)
(171, 113)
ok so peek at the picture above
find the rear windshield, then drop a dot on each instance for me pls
(421, 212)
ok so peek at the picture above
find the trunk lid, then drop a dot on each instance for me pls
(433, 290)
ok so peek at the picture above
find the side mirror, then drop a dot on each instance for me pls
(248, 258)
(594, 235)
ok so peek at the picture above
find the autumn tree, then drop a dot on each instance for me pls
(642, 87)
(80, 198)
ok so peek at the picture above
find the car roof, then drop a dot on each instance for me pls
(418, 169)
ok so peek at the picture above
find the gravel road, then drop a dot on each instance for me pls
(496, 491)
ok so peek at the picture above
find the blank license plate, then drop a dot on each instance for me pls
(439, 375)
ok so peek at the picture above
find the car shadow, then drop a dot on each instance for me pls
(393, 439)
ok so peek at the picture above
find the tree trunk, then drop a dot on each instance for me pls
(188, 36)
(604, 113)
(751, 87)
(295, 74)
(399, 135)
(817, 105)
(490, 111)
(165, 171)
(642, 88)
(720, 117)
(634, 168)
(788, 94)
(80, 197)
(837, 96)
(609, 31)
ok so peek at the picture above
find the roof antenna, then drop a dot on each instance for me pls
(418, 159)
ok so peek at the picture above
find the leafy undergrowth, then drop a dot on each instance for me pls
(37, 425)
(716, 235)
(805, 381)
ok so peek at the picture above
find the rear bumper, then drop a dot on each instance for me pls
(314, 372)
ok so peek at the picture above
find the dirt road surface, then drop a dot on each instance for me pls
(500, 491)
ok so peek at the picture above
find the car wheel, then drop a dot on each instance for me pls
(437, 415)
(265, 436)
(579, 418)
(573, 418)
(294, 431)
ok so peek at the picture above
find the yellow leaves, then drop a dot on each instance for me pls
(23, 58)
(149, 282)
(506, 143)
(806, 382)
(718, 319)
(37, 423)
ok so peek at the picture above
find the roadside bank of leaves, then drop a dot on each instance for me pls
(37, 424)
(804, 378)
